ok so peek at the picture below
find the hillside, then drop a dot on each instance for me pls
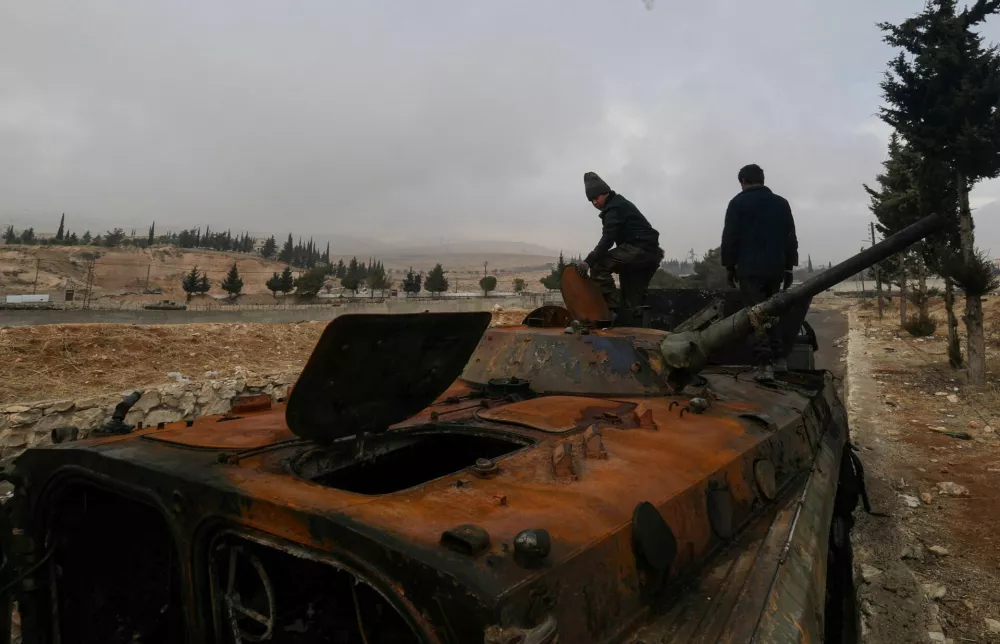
(124, 273)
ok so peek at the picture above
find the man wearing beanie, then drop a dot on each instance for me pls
(759, 250)
(636, 254)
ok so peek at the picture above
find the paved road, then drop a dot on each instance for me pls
(830, 325)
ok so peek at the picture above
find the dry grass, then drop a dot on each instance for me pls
(80, 360)
(71, 361)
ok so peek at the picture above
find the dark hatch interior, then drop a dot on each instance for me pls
(399, 463)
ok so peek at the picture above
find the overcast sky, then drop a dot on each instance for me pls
(417, 121)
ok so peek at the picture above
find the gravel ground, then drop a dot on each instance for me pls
(927, 558)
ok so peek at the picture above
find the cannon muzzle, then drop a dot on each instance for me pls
(687, 353)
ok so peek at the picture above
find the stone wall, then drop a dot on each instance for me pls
(28, 424)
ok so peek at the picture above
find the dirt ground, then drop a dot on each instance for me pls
(79, 360)
(122, 274)
(928, 558)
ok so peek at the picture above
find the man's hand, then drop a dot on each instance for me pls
(788, 280)
(583, 268)
(731, 276)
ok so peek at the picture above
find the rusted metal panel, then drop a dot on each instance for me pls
(218, 433)
(583, 298)
(558, 414)
(369, 372)
(605, 363)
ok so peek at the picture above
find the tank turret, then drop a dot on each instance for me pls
(686, 353)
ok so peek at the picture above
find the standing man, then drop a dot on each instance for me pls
(759, 250)
(636, 254)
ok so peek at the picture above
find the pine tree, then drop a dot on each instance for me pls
(287, 281)
(287, 253)
(204, 284)
(232, 283)
(28, 236)
(72, 239)
(62, 228)
(809, 265)
(326, 255)
(519, 285)
(152, 235)
(377, 279)
(561, 265)
(341, 270)
(436, 282)
(352, 276)
(270, 245)
(190, 282)
(9, 236)
(941, 93)
(308, 284)
(273, 284)
(86, 238)
(412, 282)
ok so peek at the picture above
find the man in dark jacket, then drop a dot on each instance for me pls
(759, 250)
(636, 254)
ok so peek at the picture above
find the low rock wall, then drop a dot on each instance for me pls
(29, 424)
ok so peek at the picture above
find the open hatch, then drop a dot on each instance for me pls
(369, 372)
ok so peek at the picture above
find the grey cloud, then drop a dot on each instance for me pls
(416, 121)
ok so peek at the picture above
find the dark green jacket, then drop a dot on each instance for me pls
(623, 224)
(759, 236)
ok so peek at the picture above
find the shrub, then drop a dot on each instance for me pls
(921, 325)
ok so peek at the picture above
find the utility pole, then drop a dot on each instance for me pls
(484, 268)
(34, 287)
(878, 276)
(146, 289)
(862, 274)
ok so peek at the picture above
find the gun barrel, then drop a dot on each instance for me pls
(688, 351)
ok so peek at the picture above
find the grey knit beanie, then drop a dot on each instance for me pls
(594, 186)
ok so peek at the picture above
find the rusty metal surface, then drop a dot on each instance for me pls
(548, 316)
(558, 414)
(252, 431)
(614, 362)
(578, 468)
(583, 297)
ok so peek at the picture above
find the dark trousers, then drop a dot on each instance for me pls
(635, 267)
(768, 346)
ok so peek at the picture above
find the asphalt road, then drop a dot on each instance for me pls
(830, 325)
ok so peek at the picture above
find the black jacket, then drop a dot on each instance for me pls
(623, 224)
(759, 235)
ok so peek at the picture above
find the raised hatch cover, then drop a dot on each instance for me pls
(583, 297)
(368, 372)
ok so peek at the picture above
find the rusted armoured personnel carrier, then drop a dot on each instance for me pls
(432, 480)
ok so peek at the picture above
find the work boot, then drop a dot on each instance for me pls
(780, 366)
(764, 373)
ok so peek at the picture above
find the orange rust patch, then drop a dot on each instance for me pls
(555, 414)
(583, 297)
(213, 432)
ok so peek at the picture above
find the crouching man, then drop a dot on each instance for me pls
(635, 257)
(759, 250)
